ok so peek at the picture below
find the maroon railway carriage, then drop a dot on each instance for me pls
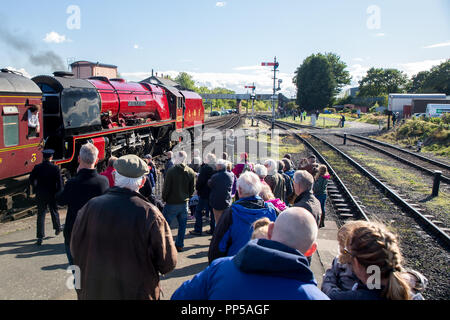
(19, 148)
(118, 117)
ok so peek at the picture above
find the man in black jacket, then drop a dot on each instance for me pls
(203, 190)
(87, 184)
(46, 181)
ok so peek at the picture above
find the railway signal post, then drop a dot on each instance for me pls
(275, 65)
(253, 97)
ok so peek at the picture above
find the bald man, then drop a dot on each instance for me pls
(266, 269)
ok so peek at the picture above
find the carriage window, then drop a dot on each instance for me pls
(11, 130)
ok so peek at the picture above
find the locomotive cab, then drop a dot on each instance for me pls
(70, 107)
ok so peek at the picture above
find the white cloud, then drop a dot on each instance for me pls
(357, 72)
(380, 34)
(358, 59)
(438, 45)
(54, 37)
(235, 81)
(136, 46)
(412, 68)
(21, 70)
(221, 4)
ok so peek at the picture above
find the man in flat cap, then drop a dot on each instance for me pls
(120, 241)
(46, 181)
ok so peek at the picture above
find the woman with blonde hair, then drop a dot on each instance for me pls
(261, 228)
(376, 260)
(268, 197)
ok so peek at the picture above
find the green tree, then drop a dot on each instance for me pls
(341, 76)
(417, 81)
(438, 79)
(380, 81)
(315, 83)
(338, 68)
(185, 80)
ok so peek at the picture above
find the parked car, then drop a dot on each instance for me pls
(214, 114)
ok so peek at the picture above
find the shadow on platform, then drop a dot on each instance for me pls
(28, 248)
(189, 270)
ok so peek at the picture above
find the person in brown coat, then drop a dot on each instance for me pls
(121, 242)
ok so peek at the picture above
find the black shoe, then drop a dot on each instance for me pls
(39, 242)
(195, 233)
(179, 249)
(58, 231)
(209, 231)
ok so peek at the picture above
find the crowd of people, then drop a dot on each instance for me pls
(263, 217)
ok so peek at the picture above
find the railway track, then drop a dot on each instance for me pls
(425, 242)
(428, 221)
(424, 164)
(290, 124)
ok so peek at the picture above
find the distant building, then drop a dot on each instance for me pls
(87, 69)
(351, 92)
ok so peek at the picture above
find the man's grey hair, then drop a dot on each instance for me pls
(260, 170)
(272, 167)
(304, 179)
(210, 158)
(221, 164)
(129, 183)
(180, 157)
(249, 184)
(88, 153)
(170, 154)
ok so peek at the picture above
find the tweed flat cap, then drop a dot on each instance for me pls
(131, 166)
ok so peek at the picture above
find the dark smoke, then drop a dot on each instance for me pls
(21, 44)
(48, 58)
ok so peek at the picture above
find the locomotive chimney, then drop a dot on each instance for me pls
(152, 72)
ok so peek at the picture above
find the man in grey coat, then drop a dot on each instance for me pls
(303, 185)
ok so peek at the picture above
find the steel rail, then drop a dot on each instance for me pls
(401, 202)
(396, 157)
(436, 163)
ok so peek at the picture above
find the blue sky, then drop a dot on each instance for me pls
(222, 43)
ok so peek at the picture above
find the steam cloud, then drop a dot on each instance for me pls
(21, 44)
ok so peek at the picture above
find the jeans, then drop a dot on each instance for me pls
(180, 212)
(322, 199)
(203, 204)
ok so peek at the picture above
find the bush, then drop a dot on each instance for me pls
(331, 110)
(354, 111)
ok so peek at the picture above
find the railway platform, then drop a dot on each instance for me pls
(30, 272)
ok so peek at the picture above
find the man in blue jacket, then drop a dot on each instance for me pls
(274, 269)
(235, 229)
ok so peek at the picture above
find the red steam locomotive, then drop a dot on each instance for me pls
(118, 117)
